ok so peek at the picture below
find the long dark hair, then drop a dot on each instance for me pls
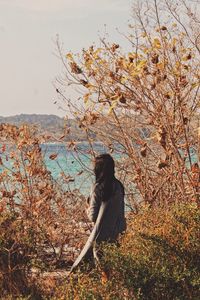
(104, 170)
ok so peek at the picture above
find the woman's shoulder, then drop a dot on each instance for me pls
(119, 185)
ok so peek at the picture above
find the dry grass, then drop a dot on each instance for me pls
(158, 259)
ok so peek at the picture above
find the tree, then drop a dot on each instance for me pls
(144, 104)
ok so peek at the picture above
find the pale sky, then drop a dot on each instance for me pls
(28, 29)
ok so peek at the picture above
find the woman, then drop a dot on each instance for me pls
(106, 209)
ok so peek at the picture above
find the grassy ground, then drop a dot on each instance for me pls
(158, 259)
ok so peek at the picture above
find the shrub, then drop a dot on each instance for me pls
(37, 217)
(16, 254)
(158, 259)
(142, 102)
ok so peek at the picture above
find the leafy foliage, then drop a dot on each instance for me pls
(38, 218)
(144, 104)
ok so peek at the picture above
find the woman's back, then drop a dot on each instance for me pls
(106, 207)
(112, 222)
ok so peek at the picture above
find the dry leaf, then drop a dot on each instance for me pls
(53, 156)
(104, 277)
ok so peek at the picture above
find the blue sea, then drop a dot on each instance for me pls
(73, 164)
(72, 169)
(77, 165)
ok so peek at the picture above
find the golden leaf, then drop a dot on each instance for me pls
(144, 34)
(86, 98)
(145, 50)
(90, 86)
(195, 84)
(96, 53)
(69, 56)
(114, 104)
(157, 43)
(141, 64)
(124, 79)
(161, 66)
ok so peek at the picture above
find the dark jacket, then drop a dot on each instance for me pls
(108, 216)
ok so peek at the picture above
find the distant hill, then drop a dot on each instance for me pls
(47, 124)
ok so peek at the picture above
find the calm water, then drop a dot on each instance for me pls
(68, 164)
(77, 165)
(73, 165)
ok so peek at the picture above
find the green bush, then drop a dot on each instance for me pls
(158, 259)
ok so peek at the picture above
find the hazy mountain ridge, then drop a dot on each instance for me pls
(41, 119)
(47, 124)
